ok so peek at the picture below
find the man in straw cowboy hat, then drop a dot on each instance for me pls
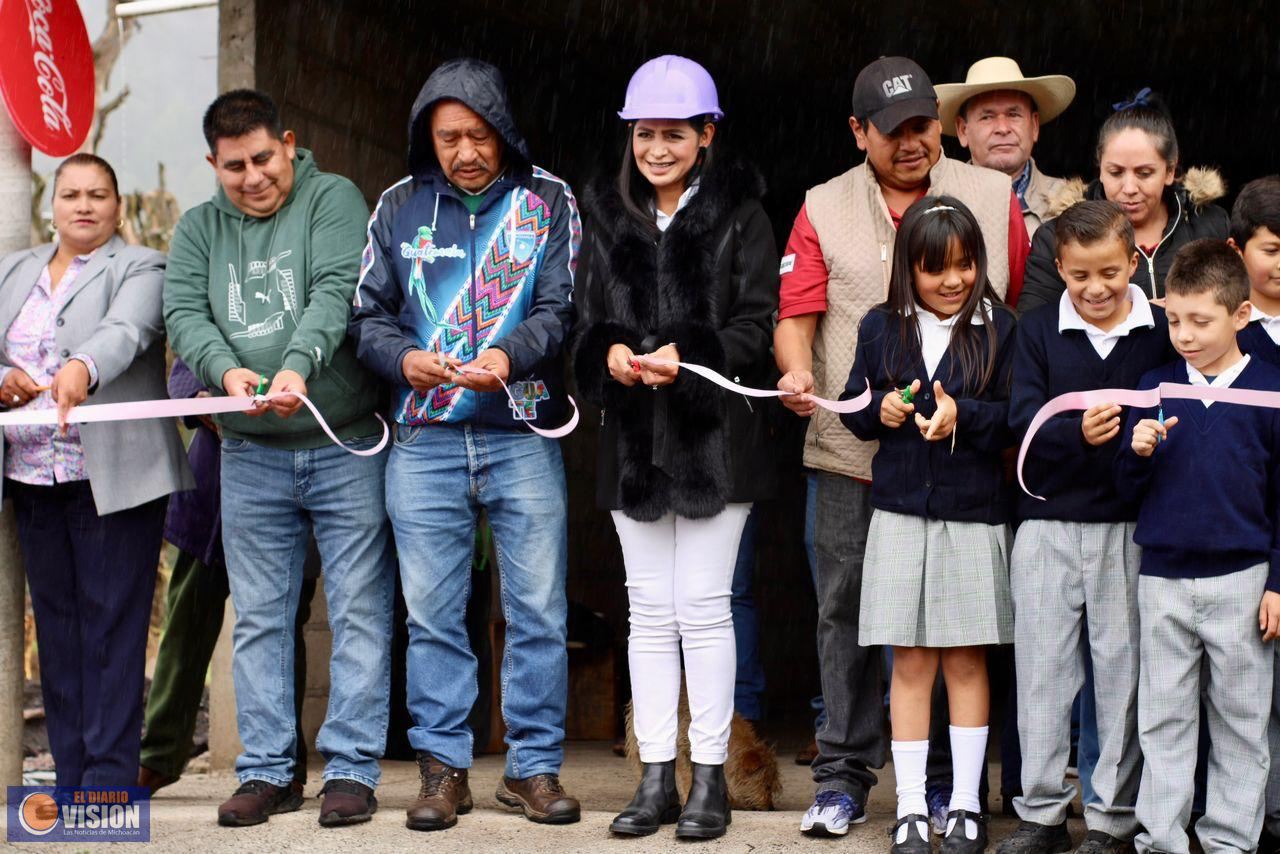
(996, 114)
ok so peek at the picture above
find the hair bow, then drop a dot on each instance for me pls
(1142, 99)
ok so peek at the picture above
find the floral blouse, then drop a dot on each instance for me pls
(37, 454)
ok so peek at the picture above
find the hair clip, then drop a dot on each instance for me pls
(937, 208)
(1141, 99)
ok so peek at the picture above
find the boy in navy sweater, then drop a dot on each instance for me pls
(1207, 526)
(1074, 554)
(1255, 234)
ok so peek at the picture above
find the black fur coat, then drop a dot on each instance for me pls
(708, 284)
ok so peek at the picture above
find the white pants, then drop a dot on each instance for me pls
(679, 579)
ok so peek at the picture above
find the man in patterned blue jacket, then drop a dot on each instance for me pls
(470, 265)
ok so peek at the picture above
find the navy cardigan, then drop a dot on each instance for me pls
(1076, 479)
(910, 475)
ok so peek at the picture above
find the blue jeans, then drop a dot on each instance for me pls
(438, 479)
(748, 689)
(272, 502)
(810, 521)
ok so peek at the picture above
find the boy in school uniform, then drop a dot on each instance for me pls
(1255, 234)
(1074, 554)
(1207, 594)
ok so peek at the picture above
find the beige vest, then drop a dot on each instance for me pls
(856, 233)
(1041, 191)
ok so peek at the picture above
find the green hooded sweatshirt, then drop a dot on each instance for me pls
(274, 293)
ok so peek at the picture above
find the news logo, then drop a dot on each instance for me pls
(84, 814)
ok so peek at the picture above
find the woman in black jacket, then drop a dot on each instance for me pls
(680, 264)
(1138, 164)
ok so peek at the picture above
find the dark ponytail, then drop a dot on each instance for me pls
(1144, 111)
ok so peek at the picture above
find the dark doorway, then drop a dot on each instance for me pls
(346, 73)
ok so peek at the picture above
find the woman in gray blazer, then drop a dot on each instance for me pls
(82, 322)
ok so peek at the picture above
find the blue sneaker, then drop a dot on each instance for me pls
(831, 814)
(938, 798)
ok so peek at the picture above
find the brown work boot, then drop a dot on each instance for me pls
(346, 802)
(542, 799)
(444, 796)
(153, 780)
(255, 800)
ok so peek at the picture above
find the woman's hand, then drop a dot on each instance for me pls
(70, 388)
(18, 388)
(622, 365)
(658, 375)
(894, 410)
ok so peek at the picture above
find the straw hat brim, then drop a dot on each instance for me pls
(1052, 93)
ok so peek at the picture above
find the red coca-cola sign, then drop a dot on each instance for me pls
(46, 73)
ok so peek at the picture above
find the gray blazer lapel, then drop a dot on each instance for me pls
(96, 266)
(20, 283)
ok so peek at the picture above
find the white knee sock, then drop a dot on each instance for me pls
(910, 759)
(968, 755)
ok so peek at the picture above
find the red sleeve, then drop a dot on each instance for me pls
(803, 272)
(1019, 249)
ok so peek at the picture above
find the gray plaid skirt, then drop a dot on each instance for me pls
(927, 582)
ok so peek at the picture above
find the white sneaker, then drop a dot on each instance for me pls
(831, 814)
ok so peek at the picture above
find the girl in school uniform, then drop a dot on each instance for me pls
(937, 355)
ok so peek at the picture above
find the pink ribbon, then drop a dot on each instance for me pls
(1145, 399)
(554, 433)
(853, 404)
(138, 410)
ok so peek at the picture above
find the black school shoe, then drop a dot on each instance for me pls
(1033, 838)
(914, 843)
(1101, 842)
(1268, 842)
(957, 841)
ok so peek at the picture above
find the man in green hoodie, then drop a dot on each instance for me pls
(258, 291)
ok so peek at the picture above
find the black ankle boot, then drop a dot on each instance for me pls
(706, 814)
(656, 802)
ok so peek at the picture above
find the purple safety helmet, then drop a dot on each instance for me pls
(671, 87)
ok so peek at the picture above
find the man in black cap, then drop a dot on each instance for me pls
(836, 267)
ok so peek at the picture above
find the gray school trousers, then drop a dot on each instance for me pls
(1187, 621)
(1068, 578)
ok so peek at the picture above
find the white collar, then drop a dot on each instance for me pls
(1139, 315)
(927, 318)
(1259, 314)
(662, 220)
(1222, 380)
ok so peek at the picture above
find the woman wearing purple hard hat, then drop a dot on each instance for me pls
(679, 264)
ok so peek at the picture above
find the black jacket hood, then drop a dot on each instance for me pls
(480, 87)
